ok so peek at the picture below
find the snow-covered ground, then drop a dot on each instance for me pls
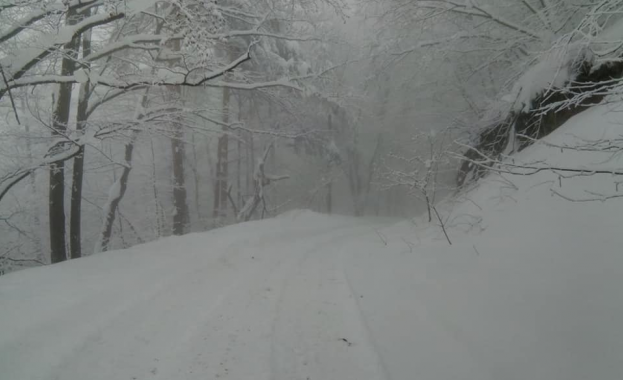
(532, 288)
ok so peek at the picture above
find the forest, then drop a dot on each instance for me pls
(124, 121)
(311, 189)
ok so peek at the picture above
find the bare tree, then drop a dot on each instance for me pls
(75, 222)
(59, 127)
(260, 181)
(124, 52)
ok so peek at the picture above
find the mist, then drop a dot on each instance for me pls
(311, 157)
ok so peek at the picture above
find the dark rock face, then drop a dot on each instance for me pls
(543, 117)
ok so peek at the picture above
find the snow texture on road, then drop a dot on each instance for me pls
(531, 288)
(258, 301)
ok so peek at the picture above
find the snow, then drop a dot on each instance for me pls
(530, 289)
(115, 190)
(137, 6)
(48, 42)
(81, 76)
(221, 303)
(552, 71)
(556, 67)
(608, 43)
(65, 34)
(537, 295)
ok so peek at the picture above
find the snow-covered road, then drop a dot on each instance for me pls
(314, 297)
(257, 301)
(531, 288)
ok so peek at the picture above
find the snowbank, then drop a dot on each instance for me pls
(531, 288)
(561, 64)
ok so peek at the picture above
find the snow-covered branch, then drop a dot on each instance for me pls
(471, 8)
(189, 78)
(45, 10)
(21, 64)
(60, 151)
(526, 169)
(260, 181)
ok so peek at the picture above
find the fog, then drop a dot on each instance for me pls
(362, 176)
(160, 128)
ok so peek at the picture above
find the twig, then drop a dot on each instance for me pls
(6, 83)
(264, 209)
(231, 200)
(382, 237)
(24, 260)
(443, 227)
(409, 244)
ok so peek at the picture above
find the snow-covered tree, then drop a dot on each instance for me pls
(129, 59)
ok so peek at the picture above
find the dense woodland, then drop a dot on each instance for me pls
(122, 121)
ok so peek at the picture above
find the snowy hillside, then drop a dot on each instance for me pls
(532, 291)
(531, 288)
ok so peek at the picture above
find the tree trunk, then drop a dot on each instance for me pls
(75, 214)
(249, 168)
(180, 216)
(118, 189)
(329, 199)
(354, 181)
(211, 169)
(33, 188)
(160, 223)
(180, 213)
(116, 193)
(222, 165)
(239, 170)
(196, 178)
(58, 249)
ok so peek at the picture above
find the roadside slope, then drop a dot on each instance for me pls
(212, 305)
(532, 287)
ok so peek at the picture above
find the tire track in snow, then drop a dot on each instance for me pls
(366, 332)
(220, 346)
(149, 313)
(399, 328)
(191, 315)
(151, 330)
(311, 322)
(285, 282)
(234, 342)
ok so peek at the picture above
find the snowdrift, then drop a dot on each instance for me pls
(531, 288)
